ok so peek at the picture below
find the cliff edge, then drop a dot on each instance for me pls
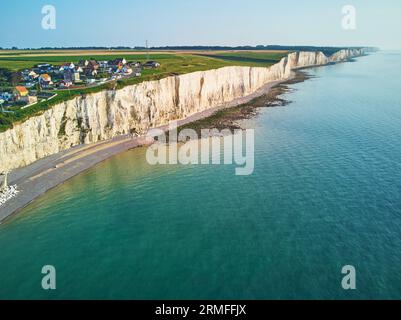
(135, 109)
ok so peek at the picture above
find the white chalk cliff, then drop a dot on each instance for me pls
(136, 108)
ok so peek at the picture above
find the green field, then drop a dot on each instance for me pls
(171, 63)
(248, 58)
(184, 62)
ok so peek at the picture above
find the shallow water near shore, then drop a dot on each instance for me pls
(326, 192)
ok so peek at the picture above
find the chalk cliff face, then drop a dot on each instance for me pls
(346, 54)
(136, 108)
(306, 59)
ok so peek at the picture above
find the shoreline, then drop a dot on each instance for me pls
(45, 174)
(231, 118)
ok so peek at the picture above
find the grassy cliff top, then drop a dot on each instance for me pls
(172, 63)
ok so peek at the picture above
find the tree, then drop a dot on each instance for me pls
(16, 78)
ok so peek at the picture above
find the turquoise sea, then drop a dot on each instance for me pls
(326, 192)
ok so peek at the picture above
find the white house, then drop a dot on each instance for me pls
(127, 70)
(103, 64)
(32, 74)
(67, 66)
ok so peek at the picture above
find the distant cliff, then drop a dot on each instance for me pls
(136, 108)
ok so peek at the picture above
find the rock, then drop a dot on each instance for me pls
(7, 194)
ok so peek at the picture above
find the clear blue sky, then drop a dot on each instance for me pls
(200, 22)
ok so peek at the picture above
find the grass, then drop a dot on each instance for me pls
(250, 58)
(171, 64)
(15, 65)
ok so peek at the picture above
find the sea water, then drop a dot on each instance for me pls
(325, 193)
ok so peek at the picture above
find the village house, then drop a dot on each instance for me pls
(103, 64)
(20, 92)
(90, 72)
(126, 70)
(91, 68)
(64, 85)
(66, 66)
(119, 68)
(30, 99)
(78, 69)
(93, 64)
(45, 81)
(136, 68)
(29, 75)
(76, 74)
(151, 64)
(32, 75)
(67, 78)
